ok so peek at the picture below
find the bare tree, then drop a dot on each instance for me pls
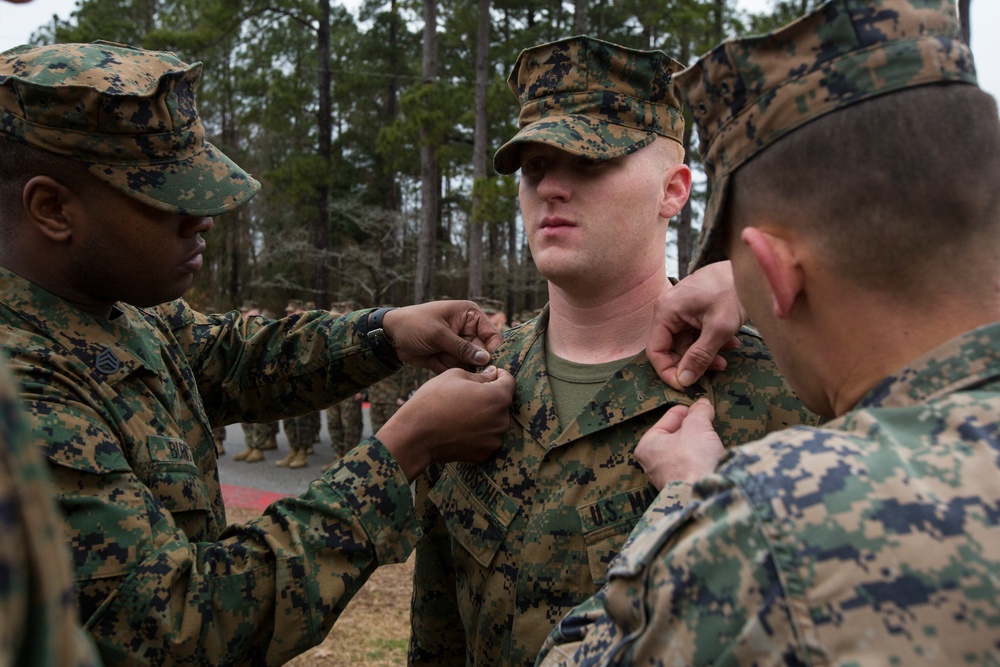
(430, 177)
(324, 113)
(479, 151)
(580, 17)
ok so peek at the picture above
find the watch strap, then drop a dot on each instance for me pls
(379, 342)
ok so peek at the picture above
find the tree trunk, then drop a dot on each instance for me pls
(479, 169)
(392, 199)
(430, 177)
(321, 283)
(580, 17)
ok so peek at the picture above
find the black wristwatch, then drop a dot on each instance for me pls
(378, 341)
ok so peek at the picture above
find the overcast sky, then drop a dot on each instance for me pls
(17, 22)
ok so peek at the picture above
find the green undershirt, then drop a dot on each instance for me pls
(574, 384)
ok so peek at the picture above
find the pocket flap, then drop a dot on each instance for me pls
(475, 509)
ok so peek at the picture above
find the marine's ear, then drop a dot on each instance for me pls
(676, 190)
(776, 256)
(50, 207)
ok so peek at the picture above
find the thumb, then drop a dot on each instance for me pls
(672, 419)
(702, 410)
(498, 375)
(468, 352)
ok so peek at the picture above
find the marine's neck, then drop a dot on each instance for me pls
(593, 328)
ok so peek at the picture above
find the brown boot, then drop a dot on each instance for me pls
(301, 459)
(329, 465)
(254, 456)
(242, 455)
(288, 459)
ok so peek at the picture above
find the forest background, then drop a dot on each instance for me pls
(372, 125)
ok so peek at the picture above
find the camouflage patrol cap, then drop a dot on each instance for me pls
(747, 93)
(129, 115)
(591, 98)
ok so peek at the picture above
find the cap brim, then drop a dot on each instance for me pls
(209, 183)
(578, 135)
(709, 247)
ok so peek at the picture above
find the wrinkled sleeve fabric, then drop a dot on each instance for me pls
(261, 593)
(262, 370)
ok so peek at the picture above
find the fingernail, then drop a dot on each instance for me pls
(482, 357)
(686, 378)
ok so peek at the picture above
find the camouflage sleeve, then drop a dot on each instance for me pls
(437, 636)
(752, 398)
(39, 623)
(263, 370)
(263, 592)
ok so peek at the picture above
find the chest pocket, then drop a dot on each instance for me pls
(476, 511)
(607, 524)
(173, 477)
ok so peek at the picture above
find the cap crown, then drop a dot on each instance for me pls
(128, 113)
(591, 97)
(747, 93)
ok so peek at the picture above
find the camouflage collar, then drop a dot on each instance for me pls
(962, 363)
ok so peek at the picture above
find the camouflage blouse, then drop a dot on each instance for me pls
(513, 545)
(124, 408)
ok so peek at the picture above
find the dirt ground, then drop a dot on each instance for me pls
(374, 629)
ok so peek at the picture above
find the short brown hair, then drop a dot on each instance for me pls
(889, 187)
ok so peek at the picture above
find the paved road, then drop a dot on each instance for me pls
(266, 477)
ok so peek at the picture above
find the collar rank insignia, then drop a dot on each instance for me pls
(107, 362)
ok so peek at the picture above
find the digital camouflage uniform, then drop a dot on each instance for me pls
(303, 431)
(39, 625)
(344, 424)
(126, 409)
(514, 544)
(383, 396)
(219, 433)
(874, 539)
(260, 436)
(124, 405)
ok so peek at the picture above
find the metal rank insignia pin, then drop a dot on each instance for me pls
(107, 362)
